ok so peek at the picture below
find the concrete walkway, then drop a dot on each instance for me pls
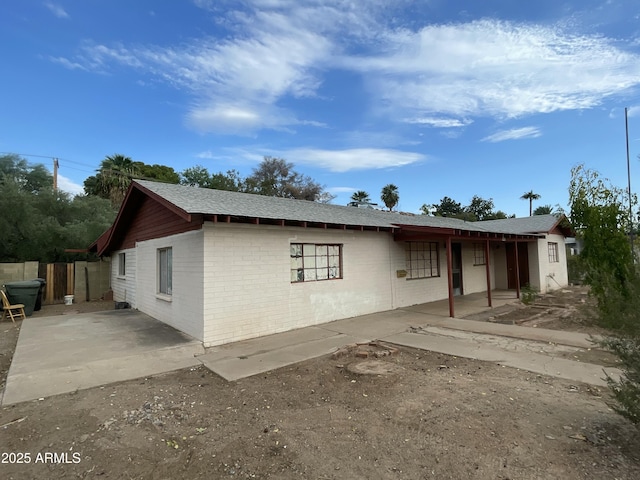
(413, 327)
(66, 353)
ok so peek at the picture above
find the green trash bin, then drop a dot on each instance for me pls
(25, 293)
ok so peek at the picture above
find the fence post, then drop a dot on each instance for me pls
(70, 279)
(49, 289)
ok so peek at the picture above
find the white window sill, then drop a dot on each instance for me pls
(164, 297)
(121, 277)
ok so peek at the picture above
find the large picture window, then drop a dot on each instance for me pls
(165, 267)
(422, 259)
(311, 262)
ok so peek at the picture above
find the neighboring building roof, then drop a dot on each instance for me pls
(221, 205)
(534, 224)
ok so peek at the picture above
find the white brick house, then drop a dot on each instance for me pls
(226, 266)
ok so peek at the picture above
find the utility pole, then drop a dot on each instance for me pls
(55, 174)
(626, 126)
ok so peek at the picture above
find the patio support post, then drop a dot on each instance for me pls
(487, 259)
(450, 277)
(517, 270)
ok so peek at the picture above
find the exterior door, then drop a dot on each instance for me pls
(456, 269)
(523, 264)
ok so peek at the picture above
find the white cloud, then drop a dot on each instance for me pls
(208, 154)
(57, 10)
(496, 69)
(352, 159)
(337, 190)
(67, 185)
(513, 134)
(634, 111)
(273, 59)
(276, 52)
(439, 122)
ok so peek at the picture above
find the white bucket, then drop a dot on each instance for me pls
(68, 299)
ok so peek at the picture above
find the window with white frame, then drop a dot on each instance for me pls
(311, 262)
(122, 265)
(422, 259)
(165, 267)
(553, 252)
(479, 257)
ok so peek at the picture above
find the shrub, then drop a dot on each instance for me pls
(528, 294)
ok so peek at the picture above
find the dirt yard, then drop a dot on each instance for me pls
(408, 415)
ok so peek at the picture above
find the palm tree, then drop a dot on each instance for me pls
(543, 210)
(114, 176)
(361, 197)
(390, 196)
(531, 197)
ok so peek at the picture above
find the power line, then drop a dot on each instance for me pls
(93, 167)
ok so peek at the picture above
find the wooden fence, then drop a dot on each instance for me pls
(60, 278)
(84, 280)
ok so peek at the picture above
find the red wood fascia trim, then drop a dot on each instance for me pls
(165, 203)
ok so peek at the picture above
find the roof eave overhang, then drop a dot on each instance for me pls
(284, 222)
(408, 232)
(105, 242)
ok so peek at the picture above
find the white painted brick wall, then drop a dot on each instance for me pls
(232, 282)
(249, 292)
(124, 287)
(553, 276)
(474, 277)
(419, 290)
(184, 311)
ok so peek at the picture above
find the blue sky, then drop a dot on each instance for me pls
(440, 97)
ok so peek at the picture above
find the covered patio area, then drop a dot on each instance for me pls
(465, 305)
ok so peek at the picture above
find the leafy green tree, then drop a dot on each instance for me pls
(231, 181)
(361, 197)
(160, 173)
(275, 177)
(28, 177)
(447, 207)
(40, 225)
(600, 218)
(390, 196)
(543, 210)
(531, 197)
(480, 209)
(197, 176)
(426, 209)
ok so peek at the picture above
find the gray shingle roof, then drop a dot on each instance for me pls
(205, 201)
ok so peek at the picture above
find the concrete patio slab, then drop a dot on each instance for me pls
(243, 359)
(63, 354)
(232, 366)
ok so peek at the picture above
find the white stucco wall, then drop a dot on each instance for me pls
(183, 309)
(124, 286)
